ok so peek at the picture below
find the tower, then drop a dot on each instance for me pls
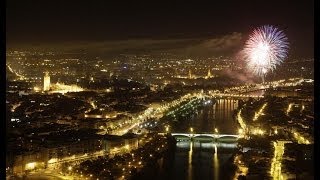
(190, 74)
(209, 75)
(46, 82)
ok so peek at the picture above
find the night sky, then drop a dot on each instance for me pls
(34, 22)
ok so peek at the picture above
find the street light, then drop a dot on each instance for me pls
(191, 129)
(69, 168)
(167, 129)
(216, 130)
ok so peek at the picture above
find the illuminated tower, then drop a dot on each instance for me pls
(209, 75)
(190, 74)
(46, 82)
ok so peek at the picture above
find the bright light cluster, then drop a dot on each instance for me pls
(257, 131)
(242, 168)
(266, 48)
(300, 139)
(289, 108)
(63, 88)
(241, 121)
(260, 112)
(276, 165)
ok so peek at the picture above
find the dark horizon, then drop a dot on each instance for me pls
(38, 23)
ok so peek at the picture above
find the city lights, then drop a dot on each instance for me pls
(31, 165)
(276, 164)
(46, 82)
(240, 131)
(242, 169)
(167, 129)
(260, 112)
(289, 108)
(36, 89)
(257, 131)
(53, 160)
(127, 147)
(241, 120)
(136, 104)
(299, 138)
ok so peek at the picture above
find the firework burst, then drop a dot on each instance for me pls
(266, 48)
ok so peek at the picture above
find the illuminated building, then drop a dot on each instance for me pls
(46, 82)
(190, 74)
(62, 88)
(58, 87)
(209, 75)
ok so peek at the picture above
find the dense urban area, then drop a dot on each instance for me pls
(78, 116)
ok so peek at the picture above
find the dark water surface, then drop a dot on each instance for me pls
(198, 160)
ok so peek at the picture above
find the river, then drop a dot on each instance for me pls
(199, 160)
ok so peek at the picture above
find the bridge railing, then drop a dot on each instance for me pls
(209, 135)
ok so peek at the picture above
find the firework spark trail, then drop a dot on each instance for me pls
(266, 48)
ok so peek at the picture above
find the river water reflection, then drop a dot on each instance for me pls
(205, 160)
(195, 160)
(216, 114)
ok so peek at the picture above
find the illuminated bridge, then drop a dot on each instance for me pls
(206, 137)
(234, 95)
